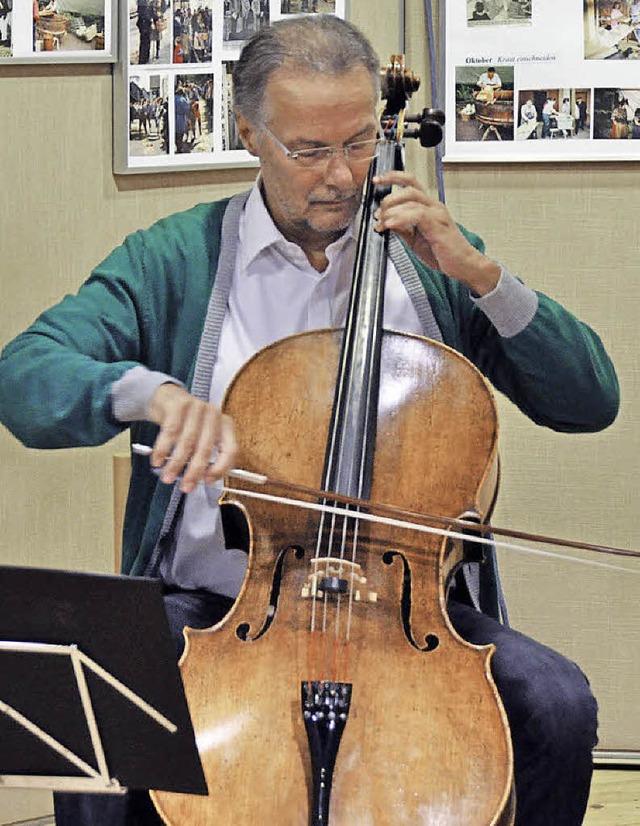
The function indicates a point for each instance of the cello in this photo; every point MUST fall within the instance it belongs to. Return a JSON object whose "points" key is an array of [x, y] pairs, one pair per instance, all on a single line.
{"points": [[336, 690]]}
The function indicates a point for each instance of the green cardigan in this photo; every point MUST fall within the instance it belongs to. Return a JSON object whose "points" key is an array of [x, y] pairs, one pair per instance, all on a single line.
{"points": [[146, 304]]}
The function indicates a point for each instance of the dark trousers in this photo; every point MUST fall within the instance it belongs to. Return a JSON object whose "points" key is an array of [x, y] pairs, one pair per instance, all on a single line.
{"points": [[551, 712], [145, 46]]}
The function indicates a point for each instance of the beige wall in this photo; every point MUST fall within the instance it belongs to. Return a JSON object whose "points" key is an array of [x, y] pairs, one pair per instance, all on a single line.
{"points": [[570, 230]]}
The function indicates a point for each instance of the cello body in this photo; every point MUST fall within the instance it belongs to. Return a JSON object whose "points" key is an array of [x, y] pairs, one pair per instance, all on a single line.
{"points": [[424, 739]]}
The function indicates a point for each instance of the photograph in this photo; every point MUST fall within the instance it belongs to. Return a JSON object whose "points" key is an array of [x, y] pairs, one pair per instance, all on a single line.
{"points": [[6, 7], [499, 12], [148, 115], [484, 103], [230, 137], [149, 38], [193, 113], [307, 6], [553, 113], [611, 29], [67, 25], [192, 31], [243, 18], [616, 114]]}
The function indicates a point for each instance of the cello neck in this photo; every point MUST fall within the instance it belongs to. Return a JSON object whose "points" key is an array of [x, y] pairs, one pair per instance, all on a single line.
{"points": [[352, 432]]}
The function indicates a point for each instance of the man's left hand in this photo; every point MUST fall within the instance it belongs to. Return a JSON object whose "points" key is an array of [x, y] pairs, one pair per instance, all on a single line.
{"points": [[430, 232]]}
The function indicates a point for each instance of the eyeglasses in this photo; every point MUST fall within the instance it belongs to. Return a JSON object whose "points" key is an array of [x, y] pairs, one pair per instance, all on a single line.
{"points": [[320, 155]]}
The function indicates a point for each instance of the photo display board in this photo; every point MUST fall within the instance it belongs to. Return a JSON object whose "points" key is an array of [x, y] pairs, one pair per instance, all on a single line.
{"points": [[173, 96], [57, 31], [542, 80]]}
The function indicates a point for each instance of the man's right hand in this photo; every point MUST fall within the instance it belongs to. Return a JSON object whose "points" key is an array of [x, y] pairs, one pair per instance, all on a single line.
{"points": [[195, 438]]}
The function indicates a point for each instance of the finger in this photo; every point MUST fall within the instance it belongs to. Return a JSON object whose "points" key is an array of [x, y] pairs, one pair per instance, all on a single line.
{"points": [[403, 219], [397, 177], [227, 451], [167, 410], [168, 436], [204, 450], [194, 442]]}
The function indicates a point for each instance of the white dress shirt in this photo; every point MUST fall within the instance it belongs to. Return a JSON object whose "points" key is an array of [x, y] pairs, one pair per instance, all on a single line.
{"points": [[275, 293]]}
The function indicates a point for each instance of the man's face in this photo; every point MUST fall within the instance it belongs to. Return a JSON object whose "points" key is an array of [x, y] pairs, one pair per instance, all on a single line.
{"points": [[313, 206]]}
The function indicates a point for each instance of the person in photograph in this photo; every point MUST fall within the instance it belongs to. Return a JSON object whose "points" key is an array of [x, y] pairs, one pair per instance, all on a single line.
{"points": [[208, 104], [529, 115], [479, 12], [194, 121], [155, 43], [630, 113], [619, 122], [164, 132], [635, 128], [200, 37], [178, 52], [230, 137], [158, 26], [581, 122], [488, 83], [243, 18], [616, 15], [146, 21], [548, 111], [181, 36], [182, 113], [35, 13], [5, 22], [565, 109], [152, 339], [634, 19]]}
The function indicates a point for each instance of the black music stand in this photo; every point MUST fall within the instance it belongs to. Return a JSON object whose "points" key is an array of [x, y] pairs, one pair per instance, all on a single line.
{"points": [[91, 697]]}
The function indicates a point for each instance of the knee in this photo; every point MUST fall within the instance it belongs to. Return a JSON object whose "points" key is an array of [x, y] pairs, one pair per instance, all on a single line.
{"points": [[560, 712], [570, 711]]}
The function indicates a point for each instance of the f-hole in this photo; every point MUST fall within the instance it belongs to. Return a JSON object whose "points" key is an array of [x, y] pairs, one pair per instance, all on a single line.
{"points": [[432, 641]]}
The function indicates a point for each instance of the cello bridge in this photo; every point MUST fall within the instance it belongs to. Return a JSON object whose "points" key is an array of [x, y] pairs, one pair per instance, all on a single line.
{"points": [[336, 577]]}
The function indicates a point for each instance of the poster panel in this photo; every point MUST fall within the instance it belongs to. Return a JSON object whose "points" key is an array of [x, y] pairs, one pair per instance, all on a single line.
{"points": [[173, 95], [542, 80], [57, 31]]}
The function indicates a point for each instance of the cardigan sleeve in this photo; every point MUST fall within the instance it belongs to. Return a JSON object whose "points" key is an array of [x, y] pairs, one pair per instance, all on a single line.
{"points": [[554, 367], [556, 370], [56, 376], [137, 309]]}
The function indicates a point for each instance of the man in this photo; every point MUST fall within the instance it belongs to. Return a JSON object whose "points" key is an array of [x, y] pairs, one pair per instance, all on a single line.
{"points": [[529, 117], [489, 80], [548, 111], [488, 84], [582, 113], [146, 19], [479, 12], [187, 302], [634, 15]]}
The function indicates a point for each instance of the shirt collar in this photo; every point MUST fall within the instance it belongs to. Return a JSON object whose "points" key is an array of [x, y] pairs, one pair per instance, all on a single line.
{"points": [[258, 233]]}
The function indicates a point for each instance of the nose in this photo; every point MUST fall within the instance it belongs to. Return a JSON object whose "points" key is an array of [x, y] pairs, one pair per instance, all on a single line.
{"points": [[338, 171]]}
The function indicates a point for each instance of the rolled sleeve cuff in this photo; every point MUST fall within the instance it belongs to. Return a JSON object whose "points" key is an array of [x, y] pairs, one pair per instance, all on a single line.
{"points": [[510, 306], [131, 395]]}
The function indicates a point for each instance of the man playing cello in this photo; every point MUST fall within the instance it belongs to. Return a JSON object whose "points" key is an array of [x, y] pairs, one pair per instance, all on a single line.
{"points": [[154, 336]]}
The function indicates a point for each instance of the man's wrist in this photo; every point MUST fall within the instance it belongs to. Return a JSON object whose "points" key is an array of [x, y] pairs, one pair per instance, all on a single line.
{"points": [[132, 393], [485, 277]]}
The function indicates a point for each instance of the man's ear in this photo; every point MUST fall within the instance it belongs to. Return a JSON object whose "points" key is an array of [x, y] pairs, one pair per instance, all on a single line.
{"points": [[248, 134]]}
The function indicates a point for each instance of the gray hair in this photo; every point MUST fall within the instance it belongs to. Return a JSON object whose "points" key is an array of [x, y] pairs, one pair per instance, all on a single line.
{"points": [[322, 43]]}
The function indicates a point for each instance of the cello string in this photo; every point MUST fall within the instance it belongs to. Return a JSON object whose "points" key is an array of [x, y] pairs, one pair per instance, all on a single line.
{"points": [[354, 556], [399, 523]]}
